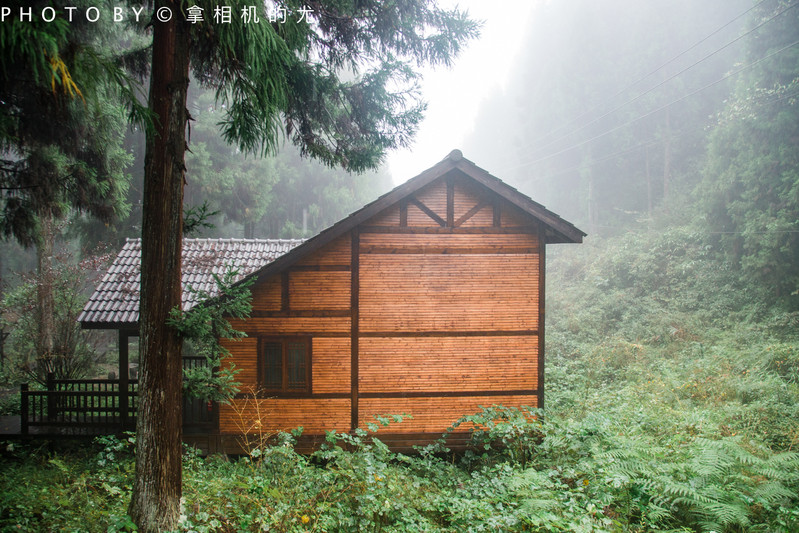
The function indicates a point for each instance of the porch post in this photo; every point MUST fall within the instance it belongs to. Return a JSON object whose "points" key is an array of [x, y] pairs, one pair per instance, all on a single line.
{"points": [[23, 415], [51, 400], [123, 378]]}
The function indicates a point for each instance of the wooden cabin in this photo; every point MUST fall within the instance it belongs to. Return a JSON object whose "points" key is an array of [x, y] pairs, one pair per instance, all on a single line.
{"points": [[428, 302]]}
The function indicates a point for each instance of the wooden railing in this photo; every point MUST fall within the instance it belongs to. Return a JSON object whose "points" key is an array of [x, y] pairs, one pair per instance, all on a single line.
{"points": [[98, 406], [78, 407]]}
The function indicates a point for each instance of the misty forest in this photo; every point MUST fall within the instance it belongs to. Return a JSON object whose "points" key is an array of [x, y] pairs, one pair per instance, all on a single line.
{"points": [[667, 130]]}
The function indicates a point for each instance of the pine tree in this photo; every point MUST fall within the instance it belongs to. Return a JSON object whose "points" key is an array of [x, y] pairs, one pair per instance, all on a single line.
{"points": [[328, 78], [60, 130]]}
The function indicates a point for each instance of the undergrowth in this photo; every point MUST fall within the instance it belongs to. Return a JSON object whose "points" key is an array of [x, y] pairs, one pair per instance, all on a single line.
{"points": [[672, 405], [525, 471]]}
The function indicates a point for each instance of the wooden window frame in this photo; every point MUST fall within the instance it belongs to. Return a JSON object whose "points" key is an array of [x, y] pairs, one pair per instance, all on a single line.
{"points": [[284, 342]]}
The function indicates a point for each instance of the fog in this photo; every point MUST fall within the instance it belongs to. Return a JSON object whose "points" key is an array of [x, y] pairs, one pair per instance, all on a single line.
{"points": [[605, 113]]}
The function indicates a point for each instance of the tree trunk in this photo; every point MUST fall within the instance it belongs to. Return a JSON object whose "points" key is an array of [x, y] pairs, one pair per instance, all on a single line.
{"points": [[45, 305], [3, 334], [155, 502]]}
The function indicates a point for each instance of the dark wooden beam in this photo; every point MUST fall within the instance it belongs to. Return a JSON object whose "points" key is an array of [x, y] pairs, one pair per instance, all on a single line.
{"points": [[285, 291], [447, 394], [403, 211], [354, 325], [455, 250], [302, 313], [319, 268], [450, 202], [429, 212], [123, 378], [541, 313], [471, 212], [513, 333], [307, 333], [472, 230], [294, 395]]}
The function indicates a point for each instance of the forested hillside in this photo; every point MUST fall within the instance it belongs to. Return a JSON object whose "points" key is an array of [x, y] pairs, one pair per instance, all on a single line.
{"points": [[670, 132], [666, 115], [671, 136]]}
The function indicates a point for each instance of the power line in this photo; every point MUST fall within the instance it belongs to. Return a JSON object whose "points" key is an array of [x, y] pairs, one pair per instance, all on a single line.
{"points": [[592, 162], [769, 232], [639, 80], [564, 137], [704, 232], [661, 108], [638, 146]]}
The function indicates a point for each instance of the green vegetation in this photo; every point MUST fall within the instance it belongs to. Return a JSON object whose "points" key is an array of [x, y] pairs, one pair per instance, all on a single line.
{"points": [[672, 383], [672, 405], [76, 354]]}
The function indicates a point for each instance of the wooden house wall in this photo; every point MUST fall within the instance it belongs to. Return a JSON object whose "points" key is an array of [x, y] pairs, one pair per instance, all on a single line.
{"points": [[436, 302], [310, 299], [448, 307]]}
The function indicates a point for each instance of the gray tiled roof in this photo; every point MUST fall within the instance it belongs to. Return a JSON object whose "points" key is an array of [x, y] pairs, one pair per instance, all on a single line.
{"points": [[115, 302]]}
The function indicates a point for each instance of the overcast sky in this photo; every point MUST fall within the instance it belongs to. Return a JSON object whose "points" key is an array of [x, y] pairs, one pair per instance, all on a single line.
{"points": [[454, 95]]}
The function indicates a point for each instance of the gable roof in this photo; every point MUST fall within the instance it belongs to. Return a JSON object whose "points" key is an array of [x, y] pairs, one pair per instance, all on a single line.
{"points": [[557, 230], [115, 302]]}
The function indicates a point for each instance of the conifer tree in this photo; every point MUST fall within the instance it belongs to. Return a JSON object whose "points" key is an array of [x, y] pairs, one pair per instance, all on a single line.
{"points": [[335, 77], [60, 132]]}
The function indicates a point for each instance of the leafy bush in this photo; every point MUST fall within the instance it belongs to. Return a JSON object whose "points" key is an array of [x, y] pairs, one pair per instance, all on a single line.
{"points": [[672, 405], [10, 402], [76, 352]]}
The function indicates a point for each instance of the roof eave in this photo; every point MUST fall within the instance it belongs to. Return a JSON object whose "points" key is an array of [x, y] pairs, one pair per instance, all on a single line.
{"points": [[559, 230], [128, 326]]}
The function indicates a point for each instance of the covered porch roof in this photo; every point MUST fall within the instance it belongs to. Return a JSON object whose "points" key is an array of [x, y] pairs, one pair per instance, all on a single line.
{"points": [[115, 302]]}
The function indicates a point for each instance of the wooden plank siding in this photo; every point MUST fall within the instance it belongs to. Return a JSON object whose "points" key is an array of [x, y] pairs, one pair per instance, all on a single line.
{"points": [[433, 415], [331, 366], [309, 299], [319, 290], [430, 308], [268, 416], [334, 253], [448, 364], [445, 292], [266, 296]]}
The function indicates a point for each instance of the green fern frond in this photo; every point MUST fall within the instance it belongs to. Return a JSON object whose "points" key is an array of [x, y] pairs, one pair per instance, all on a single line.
{"points": [[728, 514], [773, 492]]}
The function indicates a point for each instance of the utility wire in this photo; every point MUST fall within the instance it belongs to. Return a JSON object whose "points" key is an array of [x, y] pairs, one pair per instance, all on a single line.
{"points": [[638, 146], [564, 137], [636, 82], [661, 108], [592, 162]]}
